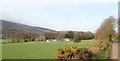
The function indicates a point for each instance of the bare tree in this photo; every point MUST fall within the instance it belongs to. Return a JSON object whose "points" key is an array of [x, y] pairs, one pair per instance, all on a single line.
{"points": [[106, 30]]}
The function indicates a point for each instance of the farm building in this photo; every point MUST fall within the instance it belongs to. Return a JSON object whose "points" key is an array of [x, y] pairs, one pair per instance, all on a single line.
{"points": [[48, 40], [54, 40]]}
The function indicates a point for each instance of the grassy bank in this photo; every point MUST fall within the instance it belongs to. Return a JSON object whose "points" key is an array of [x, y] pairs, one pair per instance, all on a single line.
{"points": [[105, 53]]}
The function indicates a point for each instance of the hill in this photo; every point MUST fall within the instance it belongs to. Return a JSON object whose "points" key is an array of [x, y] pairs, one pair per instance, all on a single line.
{"points": [[11, 27]]}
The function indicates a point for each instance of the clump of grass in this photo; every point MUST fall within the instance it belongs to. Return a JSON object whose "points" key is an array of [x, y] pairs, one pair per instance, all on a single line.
{"points": [[105, 53]]}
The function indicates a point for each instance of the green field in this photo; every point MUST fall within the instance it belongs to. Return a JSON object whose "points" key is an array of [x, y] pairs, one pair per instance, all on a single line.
{"points": [[37, 50], [0, 51]]}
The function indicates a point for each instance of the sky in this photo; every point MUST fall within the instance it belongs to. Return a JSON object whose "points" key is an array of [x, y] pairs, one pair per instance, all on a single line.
{"points": [[60, 15]]}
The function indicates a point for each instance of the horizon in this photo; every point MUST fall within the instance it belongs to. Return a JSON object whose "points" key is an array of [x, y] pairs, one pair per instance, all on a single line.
{"points": [[60, 15]]}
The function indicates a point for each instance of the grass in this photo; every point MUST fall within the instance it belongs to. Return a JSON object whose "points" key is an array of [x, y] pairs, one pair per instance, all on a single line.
{"points": [[6, 40], [0, 51], [36, 50], [105, 53], [88, 41]]}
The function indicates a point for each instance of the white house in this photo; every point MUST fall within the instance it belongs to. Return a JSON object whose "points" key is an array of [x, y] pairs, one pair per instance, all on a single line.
{"points": [[67, 39], [55, 40]]}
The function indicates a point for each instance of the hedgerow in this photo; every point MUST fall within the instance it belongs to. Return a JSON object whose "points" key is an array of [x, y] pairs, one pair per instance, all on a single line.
{"points": [[74, 53]]}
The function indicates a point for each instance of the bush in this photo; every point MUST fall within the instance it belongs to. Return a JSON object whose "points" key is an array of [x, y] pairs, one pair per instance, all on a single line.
{"points": [[101, 48], [95, 50], [76, 40], [74, 53], [14, 41], [103, 44]]}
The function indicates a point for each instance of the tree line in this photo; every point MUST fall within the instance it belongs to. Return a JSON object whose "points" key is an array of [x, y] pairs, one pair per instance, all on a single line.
{"points": [[22, 36]]}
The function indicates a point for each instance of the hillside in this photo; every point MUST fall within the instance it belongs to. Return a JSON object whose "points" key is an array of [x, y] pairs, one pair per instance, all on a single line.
{"points": [[18, 26], [11, 27]]}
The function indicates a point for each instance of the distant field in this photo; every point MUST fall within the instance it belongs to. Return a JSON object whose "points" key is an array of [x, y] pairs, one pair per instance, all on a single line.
{"points": [[0, 51], [38, 50], [6, 40]]}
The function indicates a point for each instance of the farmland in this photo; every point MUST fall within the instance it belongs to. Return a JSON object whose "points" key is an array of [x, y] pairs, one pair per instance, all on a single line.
{"points": [[38, 50], [0, 51]]}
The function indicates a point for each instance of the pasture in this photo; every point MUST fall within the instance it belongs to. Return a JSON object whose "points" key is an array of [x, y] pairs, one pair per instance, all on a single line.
{"points": [[38, 50], [0, 51]]}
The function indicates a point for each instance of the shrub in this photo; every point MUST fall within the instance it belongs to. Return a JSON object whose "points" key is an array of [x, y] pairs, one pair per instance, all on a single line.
{"points": [[100, 47], [95, 50], [74, 53], [76, 40], [103, 44], [14, 41]]}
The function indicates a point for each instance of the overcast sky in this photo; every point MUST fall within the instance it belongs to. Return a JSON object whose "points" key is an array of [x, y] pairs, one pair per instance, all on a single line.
{"points": [[76, 15]]}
